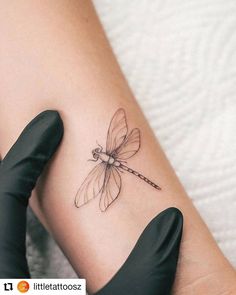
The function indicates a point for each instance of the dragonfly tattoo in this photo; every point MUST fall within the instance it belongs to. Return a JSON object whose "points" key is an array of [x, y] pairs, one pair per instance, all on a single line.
{"points": [[105, 179]]}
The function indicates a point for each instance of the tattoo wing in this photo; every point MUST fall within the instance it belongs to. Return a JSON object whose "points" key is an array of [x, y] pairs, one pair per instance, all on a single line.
{"points": [[117, 131], [130, 146], [92, 185], [111, 188]]}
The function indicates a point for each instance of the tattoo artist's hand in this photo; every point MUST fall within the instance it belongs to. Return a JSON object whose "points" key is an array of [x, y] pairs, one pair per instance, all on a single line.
{"points": [[151, 266], [19, 171]]}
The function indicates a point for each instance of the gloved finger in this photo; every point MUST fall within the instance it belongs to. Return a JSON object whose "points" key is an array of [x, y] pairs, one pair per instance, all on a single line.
{"points": [[26, 159], [19, 171], [151, 266]]}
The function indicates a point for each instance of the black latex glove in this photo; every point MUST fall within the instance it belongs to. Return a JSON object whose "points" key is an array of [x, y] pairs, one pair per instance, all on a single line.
{"points": [[151, 266], [19, 171]]}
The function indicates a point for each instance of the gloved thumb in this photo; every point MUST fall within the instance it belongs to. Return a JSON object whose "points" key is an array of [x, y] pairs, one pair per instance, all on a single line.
{"points": [[19, 171], [151, 266]]}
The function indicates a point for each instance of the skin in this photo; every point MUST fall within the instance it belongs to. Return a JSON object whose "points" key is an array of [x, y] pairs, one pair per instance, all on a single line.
{"points": [[54, 55]]}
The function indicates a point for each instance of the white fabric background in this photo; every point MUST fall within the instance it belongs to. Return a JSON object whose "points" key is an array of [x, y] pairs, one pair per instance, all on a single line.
{"points": [[179, 57]]}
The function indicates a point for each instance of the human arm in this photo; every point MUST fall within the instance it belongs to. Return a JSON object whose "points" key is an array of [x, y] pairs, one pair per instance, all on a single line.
{"points": [[56, 55]]}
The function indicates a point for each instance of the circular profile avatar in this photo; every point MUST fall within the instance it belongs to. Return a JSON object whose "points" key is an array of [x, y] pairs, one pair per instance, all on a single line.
{"points": [[23, 286]]}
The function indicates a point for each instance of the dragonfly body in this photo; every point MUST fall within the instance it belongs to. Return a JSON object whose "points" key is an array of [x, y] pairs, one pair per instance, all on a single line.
{"points": [[108, 159], [105, 158], [105, 178]]}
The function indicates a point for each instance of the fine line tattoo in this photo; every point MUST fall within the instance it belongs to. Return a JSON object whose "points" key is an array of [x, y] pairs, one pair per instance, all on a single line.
{"points": [[105, 179]]}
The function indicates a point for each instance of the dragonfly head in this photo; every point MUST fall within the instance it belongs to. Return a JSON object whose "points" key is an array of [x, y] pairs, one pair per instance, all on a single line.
{"points": [[96, 153]]}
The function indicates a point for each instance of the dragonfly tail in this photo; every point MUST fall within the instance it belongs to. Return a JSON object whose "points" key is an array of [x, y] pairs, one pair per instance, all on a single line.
{"points": [[140, 176]]}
